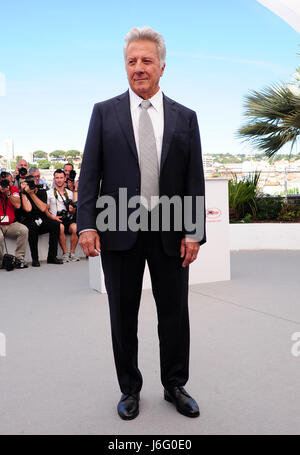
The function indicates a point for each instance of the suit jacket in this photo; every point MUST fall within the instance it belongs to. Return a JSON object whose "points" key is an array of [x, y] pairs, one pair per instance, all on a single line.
{"points": [[110, 159]]}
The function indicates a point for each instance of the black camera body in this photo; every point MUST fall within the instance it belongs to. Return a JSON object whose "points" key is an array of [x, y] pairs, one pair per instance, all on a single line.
{"points": [[30, 182], [72, 176], [4, 183], [22, 173], [66, 216], [69, 202]]}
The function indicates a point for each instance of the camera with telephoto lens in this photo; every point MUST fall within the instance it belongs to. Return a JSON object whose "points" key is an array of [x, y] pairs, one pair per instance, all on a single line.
{"points": [[22, 172]]}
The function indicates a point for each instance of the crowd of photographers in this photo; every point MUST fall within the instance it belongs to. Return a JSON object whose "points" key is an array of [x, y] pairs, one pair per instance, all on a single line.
{"points": [[29, 207]]}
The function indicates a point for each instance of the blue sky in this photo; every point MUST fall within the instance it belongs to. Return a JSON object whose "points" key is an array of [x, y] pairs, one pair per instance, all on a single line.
{"points": [[61, 57]]}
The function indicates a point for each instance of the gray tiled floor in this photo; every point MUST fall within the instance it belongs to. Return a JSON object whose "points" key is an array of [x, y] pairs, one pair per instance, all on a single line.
{"points": [[58, 376]]}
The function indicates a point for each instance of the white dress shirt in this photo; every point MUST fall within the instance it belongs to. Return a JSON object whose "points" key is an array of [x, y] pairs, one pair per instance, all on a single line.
{"points": [[156, 113]]}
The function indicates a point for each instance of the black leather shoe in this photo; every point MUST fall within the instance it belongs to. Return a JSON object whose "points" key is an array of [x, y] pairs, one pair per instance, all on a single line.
{"points": [[54, 261], [35, 263], [128, 406], [184, 403]]}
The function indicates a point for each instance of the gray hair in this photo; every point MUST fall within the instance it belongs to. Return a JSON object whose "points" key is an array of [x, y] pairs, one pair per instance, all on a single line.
{"points": [[33, 169], [146, 33]]}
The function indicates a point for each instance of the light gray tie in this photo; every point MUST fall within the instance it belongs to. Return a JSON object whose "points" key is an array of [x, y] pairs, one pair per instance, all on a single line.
{"points": [[148, 155]]}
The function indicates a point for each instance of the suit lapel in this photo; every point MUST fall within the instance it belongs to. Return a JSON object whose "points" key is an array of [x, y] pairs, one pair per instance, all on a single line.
{"points": [[170, 117], [124, 117], [122, 107]]}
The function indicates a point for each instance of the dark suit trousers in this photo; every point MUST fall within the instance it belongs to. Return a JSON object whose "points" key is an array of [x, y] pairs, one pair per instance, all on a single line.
{"points": [[47, 225], [123, 271]]}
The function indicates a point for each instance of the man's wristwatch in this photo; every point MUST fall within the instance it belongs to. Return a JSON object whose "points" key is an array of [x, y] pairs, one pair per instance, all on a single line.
{"points": [[8, 195]]}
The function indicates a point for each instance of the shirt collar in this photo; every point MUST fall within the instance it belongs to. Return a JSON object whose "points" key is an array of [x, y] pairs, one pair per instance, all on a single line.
{"points": [[136, 100]]}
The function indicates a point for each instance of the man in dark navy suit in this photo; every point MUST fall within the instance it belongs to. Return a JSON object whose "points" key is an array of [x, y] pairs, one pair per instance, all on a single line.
{"points": [[146, 145]]}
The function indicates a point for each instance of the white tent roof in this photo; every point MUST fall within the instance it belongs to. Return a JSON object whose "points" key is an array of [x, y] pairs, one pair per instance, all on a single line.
{"points": [[288, 10]]}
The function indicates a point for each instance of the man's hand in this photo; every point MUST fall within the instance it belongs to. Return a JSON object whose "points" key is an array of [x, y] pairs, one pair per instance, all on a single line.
{"points": [[30, 191], [24, 186], [90, 242], [58, 218], [189, 248]]}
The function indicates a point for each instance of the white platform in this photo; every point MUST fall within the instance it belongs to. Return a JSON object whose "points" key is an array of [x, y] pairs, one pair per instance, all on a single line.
{"points": [[213, 262]]}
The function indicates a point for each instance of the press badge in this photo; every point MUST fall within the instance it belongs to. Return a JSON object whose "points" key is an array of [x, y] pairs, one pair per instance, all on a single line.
{"points": [[5, 219]]}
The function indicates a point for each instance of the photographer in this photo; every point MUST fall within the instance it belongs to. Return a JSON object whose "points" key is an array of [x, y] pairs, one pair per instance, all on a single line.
{"points": [[32, 214], [62, 207], [9, 177], [9, 201], [70, 176], [20, 173], [35, 173]]}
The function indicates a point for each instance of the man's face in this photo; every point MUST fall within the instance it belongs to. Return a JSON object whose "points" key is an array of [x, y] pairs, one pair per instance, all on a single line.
{"points": [[36, 176], [143, 68], [22, 163], [59, 180], [67, 170]]}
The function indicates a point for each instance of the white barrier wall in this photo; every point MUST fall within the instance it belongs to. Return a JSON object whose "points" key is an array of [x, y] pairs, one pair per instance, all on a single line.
{"points": [[265, 236], [43, 248], [213, 262]]}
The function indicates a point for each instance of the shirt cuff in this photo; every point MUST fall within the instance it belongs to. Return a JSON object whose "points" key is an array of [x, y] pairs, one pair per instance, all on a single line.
{"points": [[86, 230]]}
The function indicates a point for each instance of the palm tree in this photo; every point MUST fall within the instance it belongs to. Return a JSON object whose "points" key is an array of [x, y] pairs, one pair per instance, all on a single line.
{"points": [[274, 117]]}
